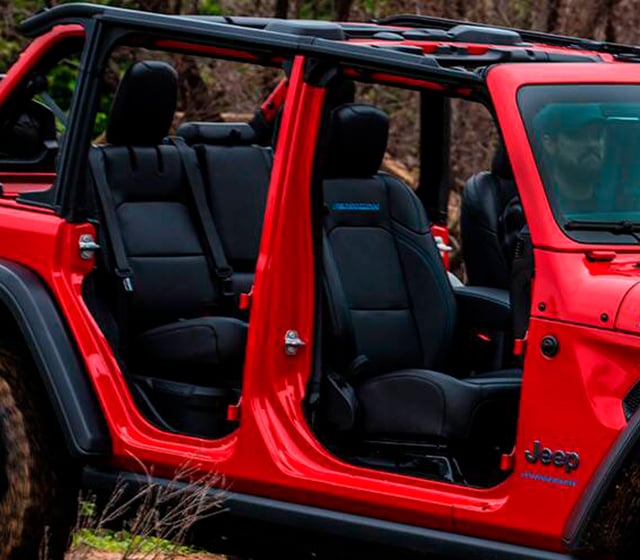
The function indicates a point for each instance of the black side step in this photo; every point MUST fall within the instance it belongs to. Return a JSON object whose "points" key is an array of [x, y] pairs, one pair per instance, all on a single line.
{"points": [[322, 528]]}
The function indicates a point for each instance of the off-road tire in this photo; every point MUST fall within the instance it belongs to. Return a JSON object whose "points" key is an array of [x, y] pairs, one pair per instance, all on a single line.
{"points": [[38, 498]]}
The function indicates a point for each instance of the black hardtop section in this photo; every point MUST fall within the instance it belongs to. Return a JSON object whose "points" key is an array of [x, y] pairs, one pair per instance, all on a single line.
{"points": [[324, 29], [489, 35]]}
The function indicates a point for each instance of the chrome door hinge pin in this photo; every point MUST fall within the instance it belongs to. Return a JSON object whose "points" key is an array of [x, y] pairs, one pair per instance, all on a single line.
{"points": [[88, 246], [292, 342]]}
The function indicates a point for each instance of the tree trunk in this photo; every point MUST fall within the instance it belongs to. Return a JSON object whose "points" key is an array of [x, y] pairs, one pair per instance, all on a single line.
{"points": [[282, 7], [342, 9]]}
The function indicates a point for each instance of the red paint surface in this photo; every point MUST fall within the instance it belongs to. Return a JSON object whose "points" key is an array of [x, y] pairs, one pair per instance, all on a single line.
{"points": [[571, 402]]}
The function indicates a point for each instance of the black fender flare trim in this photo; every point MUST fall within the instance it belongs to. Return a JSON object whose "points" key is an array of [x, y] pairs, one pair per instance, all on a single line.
{"points": [[66, 383], [289, 518], [624, 451]]}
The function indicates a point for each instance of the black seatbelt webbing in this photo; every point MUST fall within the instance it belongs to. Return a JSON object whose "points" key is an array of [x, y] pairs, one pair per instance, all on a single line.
{"points": [[99, 175], [223, 272]]}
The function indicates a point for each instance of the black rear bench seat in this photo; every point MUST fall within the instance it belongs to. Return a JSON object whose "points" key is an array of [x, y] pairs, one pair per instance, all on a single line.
{"points": [[236, 172], [171, 330]]}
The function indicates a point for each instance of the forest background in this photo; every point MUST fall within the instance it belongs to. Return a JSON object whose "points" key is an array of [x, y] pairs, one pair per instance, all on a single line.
{"points": [[472, 134]]}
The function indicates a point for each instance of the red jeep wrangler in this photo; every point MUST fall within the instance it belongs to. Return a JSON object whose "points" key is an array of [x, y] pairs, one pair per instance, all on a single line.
{"points": [[261, 301]]}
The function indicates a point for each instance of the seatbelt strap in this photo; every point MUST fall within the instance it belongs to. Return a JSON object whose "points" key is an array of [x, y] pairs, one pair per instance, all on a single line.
{"points": [[223, 272], [112, 226]]}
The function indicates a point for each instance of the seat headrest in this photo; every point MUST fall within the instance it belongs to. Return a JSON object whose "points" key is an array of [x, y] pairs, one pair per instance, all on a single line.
{"points": [[339, 92], [219, 134], [144, 104], [357, 140], [501, 166]]}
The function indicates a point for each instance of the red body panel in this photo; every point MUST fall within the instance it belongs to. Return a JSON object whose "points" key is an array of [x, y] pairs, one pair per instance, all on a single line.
{"points": [[570, 402]]}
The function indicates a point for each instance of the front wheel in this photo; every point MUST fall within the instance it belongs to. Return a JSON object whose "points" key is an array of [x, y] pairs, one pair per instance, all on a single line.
{"points": [[38, 497]]}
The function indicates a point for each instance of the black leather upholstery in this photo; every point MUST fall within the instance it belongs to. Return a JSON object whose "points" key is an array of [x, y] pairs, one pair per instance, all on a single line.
{"points": [[415, 403], [172, 277], [490, 221], [237, 175], [358, 141], [144, 105], [197, 346], [379, 237], [234, 134], [390, 300], [170, 269], [484, 307]]}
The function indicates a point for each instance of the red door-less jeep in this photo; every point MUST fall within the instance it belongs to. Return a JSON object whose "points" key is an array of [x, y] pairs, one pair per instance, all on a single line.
{"points": [[258, 301]]}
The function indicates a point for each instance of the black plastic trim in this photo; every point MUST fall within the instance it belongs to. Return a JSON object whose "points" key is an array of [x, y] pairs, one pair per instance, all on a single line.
{"points": [[435, 145], [53, 352], [335, 524], [482, 306], [600, 483]]}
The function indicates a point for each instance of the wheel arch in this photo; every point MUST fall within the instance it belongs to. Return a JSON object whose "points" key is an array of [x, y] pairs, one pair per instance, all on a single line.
{"points": [[606, 519], [28, 315]]}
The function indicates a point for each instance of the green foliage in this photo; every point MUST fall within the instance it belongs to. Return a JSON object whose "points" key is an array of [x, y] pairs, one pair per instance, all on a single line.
{"points": [[123, 541], [373, 8], [210, 7], [62, 83]]}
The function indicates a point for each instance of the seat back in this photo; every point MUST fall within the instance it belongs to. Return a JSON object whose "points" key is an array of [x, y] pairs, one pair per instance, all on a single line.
{"points": [[490, 220], [396, 296], [152, 203], [237, 174]]}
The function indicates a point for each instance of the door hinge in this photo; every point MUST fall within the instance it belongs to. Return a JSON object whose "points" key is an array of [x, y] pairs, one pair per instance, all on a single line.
{"points": [[292, 342], [88, 246]]}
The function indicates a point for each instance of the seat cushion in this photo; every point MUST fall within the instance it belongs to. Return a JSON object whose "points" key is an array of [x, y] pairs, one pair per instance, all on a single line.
{"points": [[211, 348], [428, 405]]}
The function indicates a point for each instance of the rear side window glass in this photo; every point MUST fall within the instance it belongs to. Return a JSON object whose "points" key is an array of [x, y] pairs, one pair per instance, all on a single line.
{"points": [[586, 142]]}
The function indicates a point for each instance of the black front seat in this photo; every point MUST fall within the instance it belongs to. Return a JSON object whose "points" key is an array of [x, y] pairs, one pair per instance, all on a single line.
{"points": [[147, 205], [391, 307], [491, 218]]}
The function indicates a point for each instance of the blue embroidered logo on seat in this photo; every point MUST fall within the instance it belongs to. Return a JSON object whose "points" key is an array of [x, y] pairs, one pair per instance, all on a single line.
{"points": [[355, 206]]}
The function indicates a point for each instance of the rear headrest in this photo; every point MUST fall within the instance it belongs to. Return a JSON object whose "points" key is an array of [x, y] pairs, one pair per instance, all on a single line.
{"points": [[357, 140], [339, 92], [228, 134], [501, 166], [144, 104]]}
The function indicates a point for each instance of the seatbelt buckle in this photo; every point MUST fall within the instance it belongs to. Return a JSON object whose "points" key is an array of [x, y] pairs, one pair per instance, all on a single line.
{"points": [[226, 281], [126, 276], [245, 300]]}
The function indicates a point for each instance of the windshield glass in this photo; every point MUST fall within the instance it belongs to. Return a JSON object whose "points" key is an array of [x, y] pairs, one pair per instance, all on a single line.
{"points": [[586, 141]]}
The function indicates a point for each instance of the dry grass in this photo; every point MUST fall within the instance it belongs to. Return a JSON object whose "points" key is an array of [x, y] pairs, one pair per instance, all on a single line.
{"points": [[154, 522]]}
